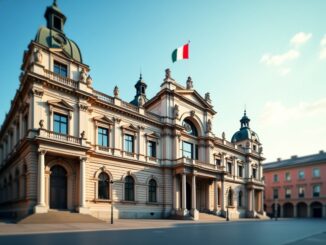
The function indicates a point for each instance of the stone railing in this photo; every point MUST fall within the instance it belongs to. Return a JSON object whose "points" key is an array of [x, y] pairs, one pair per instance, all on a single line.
{"points": [[104, 97], [60, 137], [129, 106], [60, 79], [185, 160]]}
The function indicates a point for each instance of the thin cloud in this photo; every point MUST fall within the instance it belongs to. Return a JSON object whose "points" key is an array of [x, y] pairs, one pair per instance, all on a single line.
{"points": [[322, 52], [300, 38], [279, 59], [276, 113]]}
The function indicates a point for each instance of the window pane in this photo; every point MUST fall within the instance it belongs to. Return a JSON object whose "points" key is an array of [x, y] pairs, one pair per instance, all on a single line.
{"points": [[187, 149]]}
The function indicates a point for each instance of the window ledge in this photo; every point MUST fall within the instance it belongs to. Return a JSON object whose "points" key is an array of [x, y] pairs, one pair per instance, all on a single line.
{"points": [[102, 200], [152, 203], [128, 202]]}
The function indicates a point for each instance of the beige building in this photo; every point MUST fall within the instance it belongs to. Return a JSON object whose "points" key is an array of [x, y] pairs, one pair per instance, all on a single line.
{"points": [[66, 146]]}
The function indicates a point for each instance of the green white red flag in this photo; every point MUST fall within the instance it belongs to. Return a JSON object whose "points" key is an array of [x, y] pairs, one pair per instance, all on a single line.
{"points": [[181, 53]]}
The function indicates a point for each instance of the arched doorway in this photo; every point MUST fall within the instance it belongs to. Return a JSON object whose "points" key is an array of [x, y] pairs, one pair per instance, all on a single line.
{"points": [[302, 210], [288, 210], [58, 188], [316, 209]]}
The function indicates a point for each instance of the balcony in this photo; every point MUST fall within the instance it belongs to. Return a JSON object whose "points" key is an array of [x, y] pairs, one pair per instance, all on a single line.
{"points": [[60, 79], [196, 163], [64, 138]]}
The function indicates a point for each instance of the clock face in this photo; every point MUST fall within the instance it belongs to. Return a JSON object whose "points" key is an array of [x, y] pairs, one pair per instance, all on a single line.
{"points": [[187, 127], [59, 40]]}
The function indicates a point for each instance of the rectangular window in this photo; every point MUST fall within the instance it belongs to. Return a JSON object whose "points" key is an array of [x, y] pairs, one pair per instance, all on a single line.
{"points": [[287, 176], [129, 143], [275, 178], [187, 149], [254, 173], [301, 174], [103, 137], [60, 69], [229, 168], [316, 173], [218, 162], [316, 190], [240, 171], [60, 123], [275, 193], [57, 23], [196, 152], [287, 193], [301, 191], [151, 148]]}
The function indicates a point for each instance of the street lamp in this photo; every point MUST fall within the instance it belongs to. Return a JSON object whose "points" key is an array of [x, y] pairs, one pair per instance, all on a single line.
{"points": [[111, 182]]}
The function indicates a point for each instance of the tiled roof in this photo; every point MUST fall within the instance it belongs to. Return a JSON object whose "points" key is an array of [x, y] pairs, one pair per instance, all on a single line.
{"points": [[316, 158]]}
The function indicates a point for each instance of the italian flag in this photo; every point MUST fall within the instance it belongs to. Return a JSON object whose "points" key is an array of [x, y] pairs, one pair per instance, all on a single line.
{"points": [[181, 53]]}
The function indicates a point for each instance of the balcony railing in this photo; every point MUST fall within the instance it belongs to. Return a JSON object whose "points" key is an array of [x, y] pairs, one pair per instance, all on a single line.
{"points": [[60, 79], [129, 106], [103, 97], [60, 137]]}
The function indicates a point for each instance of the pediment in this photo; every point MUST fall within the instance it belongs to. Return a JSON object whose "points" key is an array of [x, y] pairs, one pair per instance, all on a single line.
{"points": [[61, 104], [193, 96], [153, 135], [61, 51], [130, 127], [103, 119]]}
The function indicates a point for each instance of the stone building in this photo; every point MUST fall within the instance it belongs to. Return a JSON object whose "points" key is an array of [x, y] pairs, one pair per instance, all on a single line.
{"points": [[66, 146], [296, 187]]}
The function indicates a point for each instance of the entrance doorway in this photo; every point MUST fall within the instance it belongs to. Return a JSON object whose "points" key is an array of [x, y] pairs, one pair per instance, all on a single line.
{"points": [[58, 188], [316, 210]]}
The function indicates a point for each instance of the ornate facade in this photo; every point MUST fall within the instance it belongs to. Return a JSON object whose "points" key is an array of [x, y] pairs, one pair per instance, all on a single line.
{"points": [[65, 145]]}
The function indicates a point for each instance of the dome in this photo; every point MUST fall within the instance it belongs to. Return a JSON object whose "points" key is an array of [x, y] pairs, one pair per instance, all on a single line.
{"points": [[53, 36], [54, 39], [245, 133]]}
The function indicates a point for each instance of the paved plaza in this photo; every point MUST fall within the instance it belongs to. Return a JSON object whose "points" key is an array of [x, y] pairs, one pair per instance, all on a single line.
{"points": [[291, 231]]}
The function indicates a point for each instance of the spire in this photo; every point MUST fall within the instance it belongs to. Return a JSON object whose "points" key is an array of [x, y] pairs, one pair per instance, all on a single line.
{"points": [[55, 19], [140, 91], [245, 120]]}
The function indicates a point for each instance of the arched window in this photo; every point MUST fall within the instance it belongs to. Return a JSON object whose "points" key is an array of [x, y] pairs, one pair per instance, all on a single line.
{"points": [[190, 127], [230, 198], [152, 186], [103, 186], [129, 189], [240, 199]]}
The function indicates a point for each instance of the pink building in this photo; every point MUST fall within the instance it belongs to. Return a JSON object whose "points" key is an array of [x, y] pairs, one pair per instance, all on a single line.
{"points": [[296, 187]]}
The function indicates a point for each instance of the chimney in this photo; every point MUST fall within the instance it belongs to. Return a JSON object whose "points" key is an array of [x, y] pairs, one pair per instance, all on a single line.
{"points": [[321, 152], [279, 159], [294, 156]]}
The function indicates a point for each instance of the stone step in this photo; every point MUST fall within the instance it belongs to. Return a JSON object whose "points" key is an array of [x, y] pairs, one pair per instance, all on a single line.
{"points": [[59, 217], [208, 216]]}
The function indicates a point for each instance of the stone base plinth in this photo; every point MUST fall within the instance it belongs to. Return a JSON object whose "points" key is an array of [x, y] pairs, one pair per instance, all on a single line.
{"points": [[40, 209]]}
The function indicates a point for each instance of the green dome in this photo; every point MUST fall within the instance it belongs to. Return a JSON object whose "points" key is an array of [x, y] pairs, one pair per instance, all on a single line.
{"points": [[53, 36], [245, 133], [54, 39]]}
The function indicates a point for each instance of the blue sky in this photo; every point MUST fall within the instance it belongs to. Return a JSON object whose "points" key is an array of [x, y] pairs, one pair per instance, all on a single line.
{"points": [[267, 55]]}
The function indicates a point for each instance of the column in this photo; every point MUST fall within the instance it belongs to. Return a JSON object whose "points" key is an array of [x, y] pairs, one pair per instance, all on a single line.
{"points": [[21, 126], [194, 211], [250, 200], [308, 211], [253, 200], [222, 195], [295, 211], [184, 191], [174, 193], [82, 186], [40, 208], [262, 202], [281, 211], [324, 211], [215, 196]]}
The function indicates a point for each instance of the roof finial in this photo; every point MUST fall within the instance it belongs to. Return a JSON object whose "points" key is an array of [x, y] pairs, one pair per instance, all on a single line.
{"points": [[55, 3]]}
